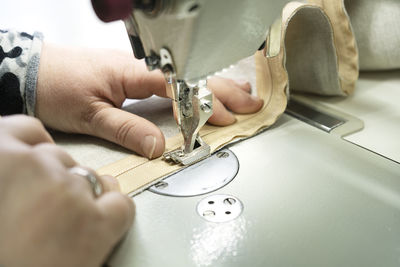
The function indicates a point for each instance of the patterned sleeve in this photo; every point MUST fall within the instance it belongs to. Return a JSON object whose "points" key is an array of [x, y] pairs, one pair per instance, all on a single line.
{"points": [[19, 64]]}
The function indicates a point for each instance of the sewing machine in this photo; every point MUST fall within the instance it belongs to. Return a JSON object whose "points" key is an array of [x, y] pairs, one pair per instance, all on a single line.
{"points": [[189, 40], [305, 196]]}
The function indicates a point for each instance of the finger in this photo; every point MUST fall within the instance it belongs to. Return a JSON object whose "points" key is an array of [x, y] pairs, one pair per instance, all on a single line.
{"points": [[233, 97], [138, 82], [109, 183], [55, 151], [119, 211], [221, 116], [244, 85], [217, 82], [27, 129], [129, 130], [97, 186]]}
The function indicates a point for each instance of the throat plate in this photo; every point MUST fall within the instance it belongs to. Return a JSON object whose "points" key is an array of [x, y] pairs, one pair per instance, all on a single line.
{"points": [[200, 178]]}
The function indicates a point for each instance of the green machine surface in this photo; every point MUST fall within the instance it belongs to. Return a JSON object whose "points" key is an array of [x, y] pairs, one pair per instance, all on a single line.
{"points": [[309, 199]]}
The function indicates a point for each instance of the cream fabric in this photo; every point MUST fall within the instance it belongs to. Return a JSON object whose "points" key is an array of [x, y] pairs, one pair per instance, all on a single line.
{"points": [[311, 59], [318, 47], [345, 43]]}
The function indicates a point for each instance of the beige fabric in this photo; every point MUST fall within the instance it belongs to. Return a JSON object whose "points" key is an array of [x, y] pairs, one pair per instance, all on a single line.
{"points": [[311, 58], [320, 53], [136, 173], [345, 43]]}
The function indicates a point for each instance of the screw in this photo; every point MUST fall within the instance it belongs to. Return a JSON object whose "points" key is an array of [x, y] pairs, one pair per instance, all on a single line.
{"points": [[222, 154], [180, 153], [229, 201], [209, 213], [206, 107], [161, 185], [193, 8], [152, 62]]}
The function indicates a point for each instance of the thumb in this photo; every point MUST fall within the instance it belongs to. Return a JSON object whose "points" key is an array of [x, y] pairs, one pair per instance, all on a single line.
{"points": [[128, 130]]}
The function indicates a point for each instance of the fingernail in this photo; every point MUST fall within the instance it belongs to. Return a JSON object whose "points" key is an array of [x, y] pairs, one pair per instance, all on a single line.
{"points": [[254, 98], [114, 184], [242, 82], [149, 145], [114, 180], [232, 119]]}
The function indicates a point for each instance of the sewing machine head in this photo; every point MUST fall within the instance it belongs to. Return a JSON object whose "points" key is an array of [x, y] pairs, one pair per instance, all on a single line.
{"points": [[188, 40]]}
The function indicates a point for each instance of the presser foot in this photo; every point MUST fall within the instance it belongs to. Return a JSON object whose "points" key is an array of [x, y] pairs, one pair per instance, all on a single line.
{"points": [[201, 151]]}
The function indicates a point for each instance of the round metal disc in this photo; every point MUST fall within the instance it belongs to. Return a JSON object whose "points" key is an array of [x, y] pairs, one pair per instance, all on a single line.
{"points": [[201, 178]]}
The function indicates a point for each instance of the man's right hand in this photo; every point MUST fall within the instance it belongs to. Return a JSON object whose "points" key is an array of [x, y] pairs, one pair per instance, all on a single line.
{"points": [[48, 216]]}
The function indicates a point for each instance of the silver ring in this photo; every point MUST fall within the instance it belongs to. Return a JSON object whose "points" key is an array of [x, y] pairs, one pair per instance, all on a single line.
{"points": [[90, 177]]}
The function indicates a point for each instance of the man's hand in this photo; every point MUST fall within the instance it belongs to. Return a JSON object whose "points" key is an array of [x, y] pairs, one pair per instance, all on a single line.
{"points": [[82, 91], [49, 217]]}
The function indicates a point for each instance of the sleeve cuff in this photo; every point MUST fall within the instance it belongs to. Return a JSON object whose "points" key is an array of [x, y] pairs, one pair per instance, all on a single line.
{"points": [[19, 66], [32, 73]]}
